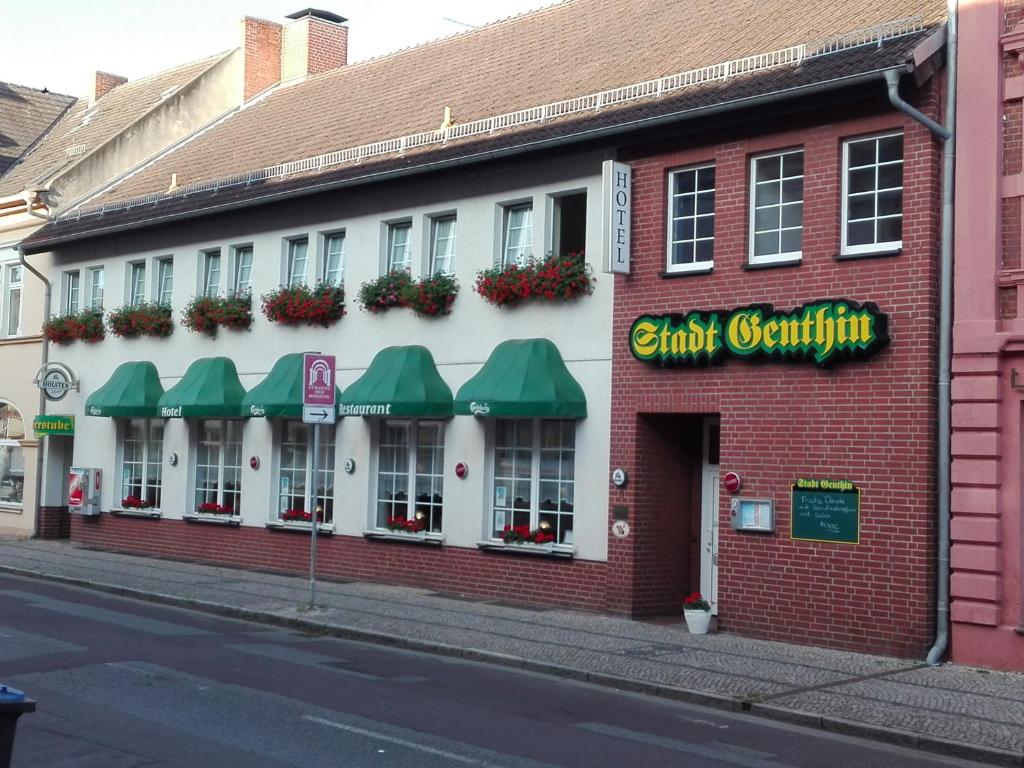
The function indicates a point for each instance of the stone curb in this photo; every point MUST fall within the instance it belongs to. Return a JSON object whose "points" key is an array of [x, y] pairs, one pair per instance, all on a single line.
{"points": [[896, 737]]}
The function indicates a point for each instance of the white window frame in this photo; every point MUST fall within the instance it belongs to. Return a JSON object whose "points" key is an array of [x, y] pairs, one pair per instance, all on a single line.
{"points": [[432, 268], [208, 287], [222, 467], [163, 290], [535, 482], [72, 292], [152, 456], [412, 426], [136, 283], [786, 256], [876, 247], [324, 470], [325, 269], [526, 253], [15, 445], [10, 287], [292, 277], [238, 254], [390, 264], [694, 266], [96, 291]]}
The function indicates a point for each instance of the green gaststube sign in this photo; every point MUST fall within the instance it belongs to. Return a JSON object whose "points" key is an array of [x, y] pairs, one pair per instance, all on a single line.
{"points": [[825, 510], [53, 425], [821, 331]]}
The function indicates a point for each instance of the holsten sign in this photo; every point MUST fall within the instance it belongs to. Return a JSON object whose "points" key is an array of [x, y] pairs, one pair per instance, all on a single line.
{"points": [[821, 331]]}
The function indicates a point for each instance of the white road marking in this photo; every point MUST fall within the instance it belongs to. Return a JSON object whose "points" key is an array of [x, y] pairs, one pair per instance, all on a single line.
{"points": [[402, 742]]}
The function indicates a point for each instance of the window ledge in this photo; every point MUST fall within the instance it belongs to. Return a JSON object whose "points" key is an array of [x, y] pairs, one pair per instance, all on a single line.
{"points": [[881, 252], [687, 272], [143, 513], [423, 537], [233, 520], [561, 551], [12, 509], [321, 530], [773, 264]]}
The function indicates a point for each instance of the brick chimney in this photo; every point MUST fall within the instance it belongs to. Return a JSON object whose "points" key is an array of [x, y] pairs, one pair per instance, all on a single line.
{"points": [[261, 55], [102, 84], [314, 42]]}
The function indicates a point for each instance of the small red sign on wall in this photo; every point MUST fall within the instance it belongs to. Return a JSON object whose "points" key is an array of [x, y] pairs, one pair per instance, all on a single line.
{"points": [[318, 379]]}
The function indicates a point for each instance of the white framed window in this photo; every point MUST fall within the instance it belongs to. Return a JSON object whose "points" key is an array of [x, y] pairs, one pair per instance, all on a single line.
{"points": [[410, 472], [142, 450], [72, 292], [13, 277], [295, 268], [164, 280], [137, 283], [776, 207], [241, 281], [872, 194], [399, 246], [517, 238], [211, 272], [218, 467], [334, 259], [12, 457], [691, 219], [534, 475], [96, 278], [442, 245], [296, 470]]}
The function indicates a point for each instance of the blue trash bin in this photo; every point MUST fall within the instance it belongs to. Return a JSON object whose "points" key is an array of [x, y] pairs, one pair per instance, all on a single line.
{"points": [[13, 705]]}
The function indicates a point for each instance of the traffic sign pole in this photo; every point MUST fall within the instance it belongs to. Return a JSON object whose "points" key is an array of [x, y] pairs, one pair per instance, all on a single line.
{"points": [[316, 516]]}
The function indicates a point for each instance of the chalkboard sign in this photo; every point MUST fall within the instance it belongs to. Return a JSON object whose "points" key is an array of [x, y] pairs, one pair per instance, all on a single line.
{"points": [[825, 510]]}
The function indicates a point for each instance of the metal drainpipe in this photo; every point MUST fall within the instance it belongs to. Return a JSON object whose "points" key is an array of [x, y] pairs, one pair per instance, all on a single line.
{"points": [[942, 480], [47, 293]]}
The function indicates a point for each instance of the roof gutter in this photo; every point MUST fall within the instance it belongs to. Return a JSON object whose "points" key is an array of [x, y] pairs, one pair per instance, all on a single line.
{"points": [[826, 86]]}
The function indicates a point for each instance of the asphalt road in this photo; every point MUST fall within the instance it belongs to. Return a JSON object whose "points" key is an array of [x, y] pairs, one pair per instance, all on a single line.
{"points": [[121, 683]]}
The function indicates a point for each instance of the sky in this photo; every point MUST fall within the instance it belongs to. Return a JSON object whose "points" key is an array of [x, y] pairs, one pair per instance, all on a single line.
{"points": [[58, 44]]}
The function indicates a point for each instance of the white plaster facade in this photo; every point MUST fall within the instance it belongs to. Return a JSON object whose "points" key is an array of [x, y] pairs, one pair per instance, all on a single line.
{"points": [[460, 343]]}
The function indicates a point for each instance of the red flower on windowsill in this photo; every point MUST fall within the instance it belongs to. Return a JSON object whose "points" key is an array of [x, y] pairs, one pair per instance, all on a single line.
{"points": [[210, 508], [134, 502], [300, 516], [405, 525], [521, 534]]}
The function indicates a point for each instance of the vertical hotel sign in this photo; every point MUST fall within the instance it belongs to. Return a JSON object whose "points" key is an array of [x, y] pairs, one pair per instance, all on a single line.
{"points": [[617, 185]]}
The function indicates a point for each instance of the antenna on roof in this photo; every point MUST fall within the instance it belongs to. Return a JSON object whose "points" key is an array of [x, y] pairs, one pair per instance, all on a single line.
{"points": [[456, 21]]}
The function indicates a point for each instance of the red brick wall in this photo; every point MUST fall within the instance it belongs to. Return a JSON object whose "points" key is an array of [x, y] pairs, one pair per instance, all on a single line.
{"points": [[54, 523], [327, 48], [521, 578], [261, 55], [869, 422], [104, 82]]}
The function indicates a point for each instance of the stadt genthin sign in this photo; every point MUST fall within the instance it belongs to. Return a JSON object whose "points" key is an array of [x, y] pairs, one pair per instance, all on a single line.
{"points": [[823, 332]]}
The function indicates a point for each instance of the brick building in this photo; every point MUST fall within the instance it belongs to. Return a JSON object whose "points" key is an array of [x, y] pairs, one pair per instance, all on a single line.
{"points": [[539, 402]]}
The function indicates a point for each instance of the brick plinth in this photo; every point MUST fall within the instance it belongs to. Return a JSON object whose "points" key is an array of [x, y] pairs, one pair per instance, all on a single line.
{"points": [[520, 578], [54, 523], [871, 422]]}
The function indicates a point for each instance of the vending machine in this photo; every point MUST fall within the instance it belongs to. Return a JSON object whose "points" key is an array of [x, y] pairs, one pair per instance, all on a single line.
{"points": [[84, 485]]}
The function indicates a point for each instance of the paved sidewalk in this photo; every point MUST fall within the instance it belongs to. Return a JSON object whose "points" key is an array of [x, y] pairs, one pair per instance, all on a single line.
{"points": [[952, 710]]}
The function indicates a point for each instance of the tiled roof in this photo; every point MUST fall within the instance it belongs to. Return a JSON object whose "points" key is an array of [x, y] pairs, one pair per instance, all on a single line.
{"points": [[83, 128], [25, 115], [569, 50]]}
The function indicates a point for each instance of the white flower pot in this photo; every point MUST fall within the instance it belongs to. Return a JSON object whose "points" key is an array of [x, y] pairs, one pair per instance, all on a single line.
{"points": [[697, 621]]}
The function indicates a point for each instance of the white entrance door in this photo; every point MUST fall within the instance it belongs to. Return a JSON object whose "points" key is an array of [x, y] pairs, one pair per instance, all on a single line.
{"points": [[709, 515]]}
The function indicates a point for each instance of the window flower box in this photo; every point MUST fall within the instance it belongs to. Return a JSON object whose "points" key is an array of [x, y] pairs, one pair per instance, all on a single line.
{"points": [[134, 502], [204, 314], [385, 292], [430, 297], [143, 319], [556, 278], [521, 534], [322, 305], [212, 508], [301, 516], [86, 326]]}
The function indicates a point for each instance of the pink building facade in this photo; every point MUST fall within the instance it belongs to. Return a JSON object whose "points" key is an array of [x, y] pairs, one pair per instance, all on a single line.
{"points": [[987, 610]]}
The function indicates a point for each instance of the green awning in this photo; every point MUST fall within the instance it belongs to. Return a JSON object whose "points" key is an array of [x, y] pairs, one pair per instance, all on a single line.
{"points": [[209, 389], [133, 390], [401, 381], [280, 393], [523, 378]]}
